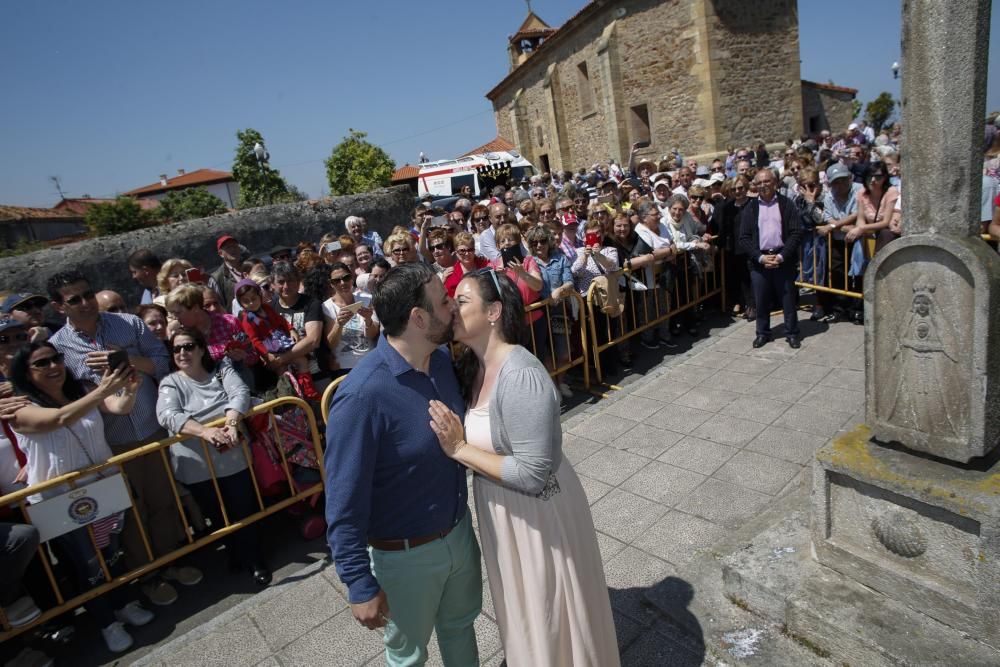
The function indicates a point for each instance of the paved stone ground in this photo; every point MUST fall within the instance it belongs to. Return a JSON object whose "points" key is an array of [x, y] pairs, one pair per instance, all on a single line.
{"points": [[680, 465]]}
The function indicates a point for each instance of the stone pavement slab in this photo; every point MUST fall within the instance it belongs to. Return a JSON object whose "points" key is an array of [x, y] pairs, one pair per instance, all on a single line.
{"points": [[677, 461]]}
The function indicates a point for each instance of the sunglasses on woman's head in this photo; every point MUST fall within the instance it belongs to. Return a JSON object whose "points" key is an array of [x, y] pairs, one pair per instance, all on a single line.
{"points": [[493, 274], [6, 339], [185, 347], [45, 362]]}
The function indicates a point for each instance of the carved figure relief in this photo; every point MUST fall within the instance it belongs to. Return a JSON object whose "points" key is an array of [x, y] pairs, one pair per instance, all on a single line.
{"points": [[928, 394]]}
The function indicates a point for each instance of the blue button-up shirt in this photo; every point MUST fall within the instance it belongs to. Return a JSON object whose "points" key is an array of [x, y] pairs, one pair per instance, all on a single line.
{"points": [[386, 476], [129, 333], [556, 272]]}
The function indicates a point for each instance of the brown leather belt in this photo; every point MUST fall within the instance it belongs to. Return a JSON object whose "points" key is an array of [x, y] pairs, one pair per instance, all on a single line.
{"points": [[411, 543]]}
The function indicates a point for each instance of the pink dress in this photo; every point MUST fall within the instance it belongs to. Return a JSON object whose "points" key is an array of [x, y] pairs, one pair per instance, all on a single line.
{"points": [[544, 568]]}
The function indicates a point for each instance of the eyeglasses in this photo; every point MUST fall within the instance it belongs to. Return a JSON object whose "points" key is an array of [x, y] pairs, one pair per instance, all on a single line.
{"points": [[13, 338], [185, 347], [565, 208], [439, 246], [493, 273], [538, 195], [456, 221], [539, 242], [809, 186], [45, 362], [547, 211], [77, 299], [399, 251], [480, 218], [464, 251], [340, 279], [718, 169], [696, 198]]}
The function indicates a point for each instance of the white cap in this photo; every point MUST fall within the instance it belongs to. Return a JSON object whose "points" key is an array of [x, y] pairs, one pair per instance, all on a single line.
{"points": [[717, 178], [852, 126]]}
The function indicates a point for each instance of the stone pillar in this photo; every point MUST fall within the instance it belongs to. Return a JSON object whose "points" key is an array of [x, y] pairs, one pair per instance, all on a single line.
{"points": [[556, 138], [914, 512], [610, 80]]}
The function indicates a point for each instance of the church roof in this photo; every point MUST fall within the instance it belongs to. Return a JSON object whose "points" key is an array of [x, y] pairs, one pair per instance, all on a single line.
{"points": [[532, 27]]}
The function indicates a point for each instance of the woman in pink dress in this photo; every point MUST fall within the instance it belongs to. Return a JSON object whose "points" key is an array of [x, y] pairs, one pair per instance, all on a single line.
{"points": [[537, 533]]}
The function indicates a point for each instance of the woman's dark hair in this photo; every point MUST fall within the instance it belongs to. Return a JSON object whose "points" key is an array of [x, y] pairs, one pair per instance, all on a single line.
{"points": [[207, 362], [141, 311], [875, 169], [339, 266], [513, 323], [20, 376], [317, 282]]}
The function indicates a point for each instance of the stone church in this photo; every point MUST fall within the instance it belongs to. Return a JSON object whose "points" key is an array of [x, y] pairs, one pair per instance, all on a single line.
{"points": [[696, 75]]}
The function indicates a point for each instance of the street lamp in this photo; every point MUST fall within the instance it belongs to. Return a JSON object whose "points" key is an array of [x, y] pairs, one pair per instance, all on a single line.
{"points": [[895, 70]]}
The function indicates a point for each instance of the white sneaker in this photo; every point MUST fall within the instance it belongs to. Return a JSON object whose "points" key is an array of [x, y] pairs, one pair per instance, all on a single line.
{"points": [[182, 574], [565, 390], [117, 638], [29, 657], [22, 611], [134, 614]]}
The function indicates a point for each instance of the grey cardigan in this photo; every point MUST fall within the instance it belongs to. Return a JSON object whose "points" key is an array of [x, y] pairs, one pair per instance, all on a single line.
{"points": [[524, 423]]}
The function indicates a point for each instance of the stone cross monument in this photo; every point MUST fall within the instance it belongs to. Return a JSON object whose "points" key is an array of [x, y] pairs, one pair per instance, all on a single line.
{"points": [[911, 508]]}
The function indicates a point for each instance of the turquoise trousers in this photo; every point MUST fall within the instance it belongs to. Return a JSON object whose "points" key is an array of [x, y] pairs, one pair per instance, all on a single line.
{"points": [[437, 586]]}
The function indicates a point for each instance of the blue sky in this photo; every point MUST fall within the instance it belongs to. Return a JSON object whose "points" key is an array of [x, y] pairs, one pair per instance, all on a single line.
{"points": [[108, 94]]}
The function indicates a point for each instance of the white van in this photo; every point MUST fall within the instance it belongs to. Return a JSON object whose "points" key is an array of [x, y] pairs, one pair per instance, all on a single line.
{"points": [[447, 177]]}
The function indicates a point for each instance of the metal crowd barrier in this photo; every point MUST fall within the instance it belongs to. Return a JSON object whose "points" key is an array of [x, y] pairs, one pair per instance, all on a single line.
{"points": [[160, 449], [573, 330], [820, 259], [655, 305]]}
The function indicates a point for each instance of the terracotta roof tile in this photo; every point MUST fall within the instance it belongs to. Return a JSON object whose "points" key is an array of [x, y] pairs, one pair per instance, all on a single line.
{"points": [[405, 173], [497, 145], [14, 213], [830, 86], [82, 204], [197, 177]]}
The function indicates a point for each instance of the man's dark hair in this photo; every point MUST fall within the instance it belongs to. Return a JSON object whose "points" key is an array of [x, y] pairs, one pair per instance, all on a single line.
{"points": [[399, 292], [60, 280], [285, 270], [143, 258]]}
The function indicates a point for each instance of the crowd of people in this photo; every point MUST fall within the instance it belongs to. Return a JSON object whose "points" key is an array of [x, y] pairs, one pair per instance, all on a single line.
{"points": [[203, 345]]}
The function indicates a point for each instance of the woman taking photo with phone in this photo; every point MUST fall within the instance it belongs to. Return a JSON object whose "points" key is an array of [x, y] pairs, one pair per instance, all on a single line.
{"points": [[523, 270], [537, 533], [61, 430]]}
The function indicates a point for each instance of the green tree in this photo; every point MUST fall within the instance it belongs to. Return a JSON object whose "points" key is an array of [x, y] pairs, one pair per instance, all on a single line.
{"points": [[356, 165], [260, 185], [855, 108], [120, 216], [879, 111], [190, 203]]}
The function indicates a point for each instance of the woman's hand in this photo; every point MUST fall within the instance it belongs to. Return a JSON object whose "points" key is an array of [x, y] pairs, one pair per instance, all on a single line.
{"points": [[855, 232], [114, 380], [516, 266], [10, 405], [448, 428], [231, 432], [444, 275], [217, 437]]}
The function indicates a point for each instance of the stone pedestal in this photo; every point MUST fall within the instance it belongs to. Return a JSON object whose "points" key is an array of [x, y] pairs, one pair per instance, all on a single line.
{"points": [[923, 532]]}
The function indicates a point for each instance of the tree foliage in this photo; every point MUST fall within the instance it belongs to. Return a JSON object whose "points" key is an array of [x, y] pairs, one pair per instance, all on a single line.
{"points": [[260, 185], [855, 108], [356, 165], [879, 111], [120, 216], [190, 203]]}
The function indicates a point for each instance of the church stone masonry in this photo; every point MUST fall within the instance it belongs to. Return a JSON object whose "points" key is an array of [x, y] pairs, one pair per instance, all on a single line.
{"points": [[696, 75]]}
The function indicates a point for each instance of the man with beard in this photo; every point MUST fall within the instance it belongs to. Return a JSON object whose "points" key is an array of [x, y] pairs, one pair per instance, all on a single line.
{"points": [[399, 525]]}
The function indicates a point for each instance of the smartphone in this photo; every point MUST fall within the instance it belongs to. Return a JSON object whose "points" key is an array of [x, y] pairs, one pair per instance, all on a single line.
{"points": [[117, 359], [439, 221], [592, 239], [605, 199], [332, 246], [196, 276], [642, 144], [512, 253]]}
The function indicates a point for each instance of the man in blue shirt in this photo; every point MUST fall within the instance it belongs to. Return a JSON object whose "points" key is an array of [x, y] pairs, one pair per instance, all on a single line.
{"points": [[399, 525]]}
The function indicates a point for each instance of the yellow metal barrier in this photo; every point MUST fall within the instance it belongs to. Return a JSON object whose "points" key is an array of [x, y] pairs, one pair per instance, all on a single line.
{"points": [[821, 261], [688, 291], [324, 402], [564, 312], [160, 449]]}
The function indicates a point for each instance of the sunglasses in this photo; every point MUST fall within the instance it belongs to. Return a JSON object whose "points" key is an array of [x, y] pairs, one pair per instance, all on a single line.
{"points": [[493, 274], [398, 251], [77, 299], [810, 186], [539, 242], [480, 218], [464, 251], [185, 347], [340, 279], [13, 338], [696, 198], [547, 211], [45, 362], [439, 246]]}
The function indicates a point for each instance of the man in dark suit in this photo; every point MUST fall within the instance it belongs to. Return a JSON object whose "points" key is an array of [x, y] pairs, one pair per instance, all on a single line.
{"points": [[770, 235]]}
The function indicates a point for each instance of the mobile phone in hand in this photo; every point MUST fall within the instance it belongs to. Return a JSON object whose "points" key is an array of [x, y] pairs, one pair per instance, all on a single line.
{"points": [[592, 239], [510, 254], [117, 359], [195, 275]]}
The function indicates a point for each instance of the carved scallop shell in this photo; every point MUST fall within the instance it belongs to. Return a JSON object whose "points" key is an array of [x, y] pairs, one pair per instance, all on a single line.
{"points": [[899, 534]]}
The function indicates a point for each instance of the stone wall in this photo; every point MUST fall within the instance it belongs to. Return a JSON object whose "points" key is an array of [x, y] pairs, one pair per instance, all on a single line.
{"points": [[832, 109], [694, 64], [104, 260]]}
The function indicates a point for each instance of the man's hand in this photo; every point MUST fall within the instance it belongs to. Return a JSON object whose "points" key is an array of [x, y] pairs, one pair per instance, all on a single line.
{"points": [[10, 405], [374, 613], [98, 361]]}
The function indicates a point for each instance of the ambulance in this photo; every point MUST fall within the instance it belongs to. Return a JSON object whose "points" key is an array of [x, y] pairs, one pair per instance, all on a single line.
{"points": [[479, 171]]}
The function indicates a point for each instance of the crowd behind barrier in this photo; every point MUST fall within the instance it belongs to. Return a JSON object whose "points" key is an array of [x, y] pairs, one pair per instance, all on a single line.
{"points": [[292, 494], [601, 258]]}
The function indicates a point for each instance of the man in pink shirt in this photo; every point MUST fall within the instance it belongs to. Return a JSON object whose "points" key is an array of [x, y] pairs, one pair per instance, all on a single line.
{"points": [[770, 235]]}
